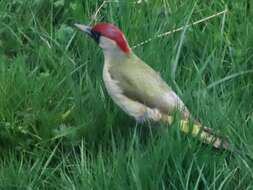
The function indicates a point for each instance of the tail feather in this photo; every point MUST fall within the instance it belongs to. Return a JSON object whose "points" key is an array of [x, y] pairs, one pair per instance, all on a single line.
{"points": [[205, 134]]}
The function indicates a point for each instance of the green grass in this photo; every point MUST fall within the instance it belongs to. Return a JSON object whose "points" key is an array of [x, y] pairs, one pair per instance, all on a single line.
{"points": [[60, 130]]}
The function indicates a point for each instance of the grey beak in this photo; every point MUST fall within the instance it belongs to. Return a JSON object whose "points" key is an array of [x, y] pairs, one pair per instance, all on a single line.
{"points": [[84, 28], [88, 30]]}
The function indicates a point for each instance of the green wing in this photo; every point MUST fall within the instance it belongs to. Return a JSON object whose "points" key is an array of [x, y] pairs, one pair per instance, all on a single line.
{"points": [[141, 83]]}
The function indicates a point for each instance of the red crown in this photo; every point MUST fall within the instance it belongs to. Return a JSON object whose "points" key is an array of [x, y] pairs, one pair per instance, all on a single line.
{"points": [[112, 32]]}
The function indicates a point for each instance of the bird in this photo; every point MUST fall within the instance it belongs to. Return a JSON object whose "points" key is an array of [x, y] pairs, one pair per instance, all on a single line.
{"points": [[138, 89]]}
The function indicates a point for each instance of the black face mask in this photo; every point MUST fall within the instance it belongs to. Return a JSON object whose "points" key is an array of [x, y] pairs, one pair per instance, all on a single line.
{"points": [[95, 35]]}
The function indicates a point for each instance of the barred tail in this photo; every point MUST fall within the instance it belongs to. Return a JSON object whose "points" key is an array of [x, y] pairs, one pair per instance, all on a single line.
{"points": [[205, 134]]}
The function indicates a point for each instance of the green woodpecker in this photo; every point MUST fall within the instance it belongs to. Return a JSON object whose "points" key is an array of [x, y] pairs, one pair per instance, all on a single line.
{"points": [[139, 90]]}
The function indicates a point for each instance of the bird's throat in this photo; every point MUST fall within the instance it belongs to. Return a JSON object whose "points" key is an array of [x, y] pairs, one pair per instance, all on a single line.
{"points": [[115, 57]]}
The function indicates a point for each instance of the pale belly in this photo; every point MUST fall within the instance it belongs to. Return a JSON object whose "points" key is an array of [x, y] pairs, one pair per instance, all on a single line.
{"points": [[133, 108]]}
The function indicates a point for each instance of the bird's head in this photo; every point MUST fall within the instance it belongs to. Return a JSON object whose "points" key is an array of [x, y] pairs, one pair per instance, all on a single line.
{"points": [[108, 36]]}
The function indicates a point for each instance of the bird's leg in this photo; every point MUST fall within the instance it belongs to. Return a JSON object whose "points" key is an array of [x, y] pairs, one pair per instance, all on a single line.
{"points": [[167, 119], [151, 116]]}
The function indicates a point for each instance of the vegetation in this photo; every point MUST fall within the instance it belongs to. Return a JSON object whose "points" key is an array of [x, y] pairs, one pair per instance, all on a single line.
{"points": [[60, 130]]}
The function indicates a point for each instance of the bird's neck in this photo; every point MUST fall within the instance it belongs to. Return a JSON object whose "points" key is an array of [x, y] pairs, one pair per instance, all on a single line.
{"points": [[116, 56]]}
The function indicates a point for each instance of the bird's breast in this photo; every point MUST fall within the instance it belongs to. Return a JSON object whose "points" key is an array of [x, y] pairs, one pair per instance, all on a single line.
{"points": [[131, 107], [112, 86]]}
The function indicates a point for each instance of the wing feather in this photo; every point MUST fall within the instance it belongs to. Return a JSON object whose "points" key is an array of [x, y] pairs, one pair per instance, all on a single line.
{"points": [[141, 83]]}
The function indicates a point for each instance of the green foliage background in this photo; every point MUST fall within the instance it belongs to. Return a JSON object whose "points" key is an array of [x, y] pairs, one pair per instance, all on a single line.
{"points": [[60, 130]]}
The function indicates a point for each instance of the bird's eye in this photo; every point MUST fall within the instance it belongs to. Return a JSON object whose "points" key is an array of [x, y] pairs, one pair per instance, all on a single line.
{"points": [[96, 36]]}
